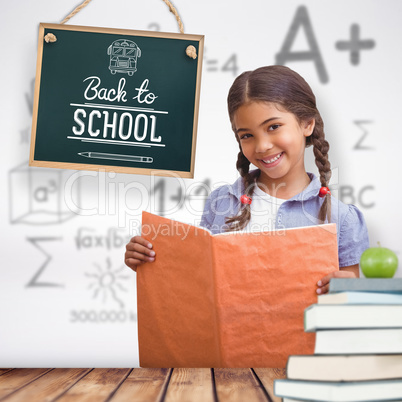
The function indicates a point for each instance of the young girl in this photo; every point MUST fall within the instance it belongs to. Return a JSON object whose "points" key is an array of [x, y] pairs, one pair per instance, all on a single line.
{"points": [[274, 117]]}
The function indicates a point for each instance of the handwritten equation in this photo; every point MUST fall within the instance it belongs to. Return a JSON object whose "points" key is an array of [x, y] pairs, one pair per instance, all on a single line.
{"points": [[352, 43]]}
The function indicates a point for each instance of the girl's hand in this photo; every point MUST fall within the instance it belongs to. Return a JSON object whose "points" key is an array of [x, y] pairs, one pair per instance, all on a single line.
{"points": [[138, 251], [345, 272]]}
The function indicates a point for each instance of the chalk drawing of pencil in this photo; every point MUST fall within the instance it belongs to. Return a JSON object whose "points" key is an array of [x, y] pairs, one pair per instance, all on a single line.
{"points": [[117, 157]]}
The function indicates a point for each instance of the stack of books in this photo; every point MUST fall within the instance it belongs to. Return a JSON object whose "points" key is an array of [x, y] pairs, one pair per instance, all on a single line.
{"points": [[358, 349]]}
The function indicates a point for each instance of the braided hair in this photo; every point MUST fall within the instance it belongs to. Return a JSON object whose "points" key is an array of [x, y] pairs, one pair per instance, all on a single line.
{"points": [[284, 87]]}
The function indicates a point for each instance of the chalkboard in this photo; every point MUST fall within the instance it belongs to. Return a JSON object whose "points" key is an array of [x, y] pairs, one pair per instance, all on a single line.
{"points": [[119, 100]]}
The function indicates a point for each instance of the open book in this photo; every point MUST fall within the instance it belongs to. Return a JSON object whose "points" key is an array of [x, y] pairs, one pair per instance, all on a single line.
{"points": [[228, 300]]}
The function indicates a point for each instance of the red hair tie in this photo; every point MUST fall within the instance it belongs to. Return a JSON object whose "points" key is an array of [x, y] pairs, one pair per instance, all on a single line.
{"points": [[244, 199], [324, 191]]}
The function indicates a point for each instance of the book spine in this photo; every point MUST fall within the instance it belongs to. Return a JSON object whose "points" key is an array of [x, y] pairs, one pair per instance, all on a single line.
{"points": [[353, 297], [379, 285], [370, 341], [352, 316]]}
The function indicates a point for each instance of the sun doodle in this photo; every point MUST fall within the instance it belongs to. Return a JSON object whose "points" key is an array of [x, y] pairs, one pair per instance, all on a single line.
{"points": [[106, 283]]}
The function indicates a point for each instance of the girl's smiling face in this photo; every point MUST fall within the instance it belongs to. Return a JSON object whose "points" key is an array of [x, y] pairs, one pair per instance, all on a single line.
{"points": [[273, 140]]}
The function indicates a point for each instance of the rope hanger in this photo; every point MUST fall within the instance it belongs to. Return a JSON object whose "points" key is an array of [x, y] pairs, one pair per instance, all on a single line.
{"points": [[190, 50]]}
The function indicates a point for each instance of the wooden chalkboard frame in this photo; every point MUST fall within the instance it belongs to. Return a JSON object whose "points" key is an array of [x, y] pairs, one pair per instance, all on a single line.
{"points": [[115, 168]]}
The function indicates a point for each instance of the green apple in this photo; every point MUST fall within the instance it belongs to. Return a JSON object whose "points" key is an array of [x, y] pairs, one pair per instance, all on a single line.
{"points": [[378, 262]]}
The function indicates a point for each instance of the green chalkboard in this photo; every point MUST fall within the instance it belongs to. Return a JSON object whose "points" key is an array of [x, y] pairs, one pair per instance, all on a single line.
{"points": [[120, 100]]}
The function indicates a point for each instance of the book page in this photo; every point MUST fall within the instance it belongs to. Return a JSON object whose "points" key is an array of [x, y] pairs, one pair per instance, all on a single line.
{"points": [[175, 297], [264, 282]]}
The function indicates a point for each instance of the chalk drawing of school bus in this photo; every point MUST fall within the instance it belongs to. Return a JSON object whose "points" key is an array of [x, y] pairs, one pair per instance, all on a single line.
{"points": [[123, 56]]}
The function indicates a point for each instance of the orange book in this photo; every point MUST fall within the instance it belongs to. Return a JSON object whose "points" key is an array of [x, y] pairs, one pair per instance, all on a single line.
{"points": [[229, 300]]}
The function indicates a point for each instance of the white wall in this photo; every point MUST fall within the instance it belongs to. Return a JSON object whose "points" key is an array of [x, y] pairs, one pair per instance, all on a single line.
{"points": [[66, 298]]}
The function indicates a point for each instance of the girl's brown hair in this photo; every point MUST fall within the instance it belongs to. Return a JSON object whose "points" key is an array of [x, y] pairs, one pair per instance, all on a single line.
{"points": [[286, 88]]}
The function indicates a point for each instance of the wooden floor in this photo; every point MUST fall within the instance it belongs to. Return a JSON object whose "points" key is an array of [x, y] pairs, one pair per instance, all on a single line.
{"points": [[138, 384]]}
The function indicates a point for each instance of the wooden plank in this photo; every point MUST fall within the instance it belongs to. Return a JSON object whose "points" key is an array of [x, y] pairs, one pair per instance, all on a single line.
{"points": [[238, 385], [267, 377], [190, 384], [143, 385], [96, 386], [17, 378], [155, 34], [4, 371], [49, 386]]}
